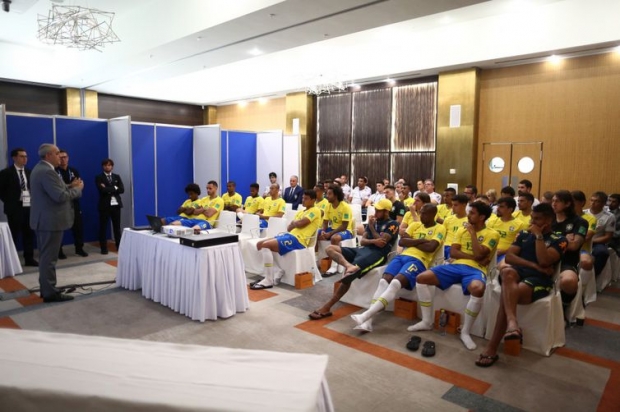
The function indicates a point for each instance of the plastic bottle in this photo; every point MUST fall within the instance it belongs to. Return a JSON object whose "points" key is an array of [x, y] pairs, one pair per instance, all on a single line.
{"points": [[443, 321]]}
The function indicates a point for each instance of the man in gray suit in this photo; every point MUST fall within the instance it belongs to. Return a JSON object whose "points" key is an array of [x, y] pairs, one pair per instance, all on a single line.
{"points": [[51, 213]]}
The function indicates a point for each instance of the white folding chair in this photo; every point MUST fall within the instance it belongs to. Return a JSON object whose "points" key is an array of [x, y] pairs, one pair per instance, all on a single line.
{"points": [[251, 256], [542, 322], [227, 222], [615, 265], [604, 278], [297, 261], [250, 227]]}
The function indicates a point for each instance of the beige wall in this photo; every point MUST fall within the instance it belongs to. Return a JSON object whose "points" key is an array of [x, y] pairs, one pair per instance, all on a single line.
{"points": [[573, 107], [255, 116]]}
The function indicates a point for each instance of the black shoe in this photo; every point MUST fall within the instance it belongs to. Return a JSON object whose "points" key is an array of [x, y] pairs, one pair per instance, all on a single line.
{"points": [[31, 262], [61, 255], [59, 297], [104, 251], [81, 252]]}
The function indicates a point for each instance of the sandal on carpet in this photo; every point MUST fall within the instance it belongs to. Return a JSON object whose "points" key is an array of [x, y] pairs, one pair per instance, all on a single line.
{"points": [[258, 286], [484, 361], [428, 349], [414, 343], [514, 334], [318, 316]]}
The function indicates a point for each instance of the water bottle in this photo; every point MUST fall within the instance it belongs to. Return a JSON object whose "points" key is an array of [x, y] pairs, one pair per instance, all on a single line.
{"points": [[443, 321]]}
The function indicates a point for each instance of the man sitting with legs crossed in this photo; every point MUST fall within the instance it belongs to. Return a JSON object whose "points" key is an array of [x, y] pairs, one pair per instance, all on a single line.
{"points": [[420, 242], [301, 230], [472, 249], [379, 238]]}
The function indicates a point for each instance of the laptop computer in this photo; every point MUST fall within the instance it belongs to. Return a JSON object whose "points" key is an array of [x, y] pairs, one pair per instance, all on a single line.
{"points": [[155, 223]]}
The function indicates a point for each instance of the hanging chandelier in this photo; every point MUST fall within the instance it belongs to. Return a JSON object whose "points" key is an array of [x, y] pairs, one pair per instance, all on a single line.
{"points": [[322, 85], [77, 27]]}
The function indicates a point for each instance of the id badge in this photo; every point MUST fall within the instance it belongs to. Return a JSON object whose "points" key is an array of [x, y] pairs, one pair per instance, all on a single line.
{"points": [[25, 198]]}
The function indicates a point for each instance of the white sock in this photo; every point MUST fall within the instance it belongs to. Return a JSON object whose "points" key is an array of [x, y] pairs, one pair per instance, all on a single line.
{"points": [[268, 262], [240, 215], [334, 267], [383, 301], [383, 285], [425, 298], [471, 312]]}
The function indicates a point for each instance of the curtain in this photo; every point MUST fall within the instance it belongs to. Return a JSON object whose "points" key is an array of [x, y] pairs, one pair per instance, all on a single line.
{"points": [[371, 120], [414, 118], [334, 123]]}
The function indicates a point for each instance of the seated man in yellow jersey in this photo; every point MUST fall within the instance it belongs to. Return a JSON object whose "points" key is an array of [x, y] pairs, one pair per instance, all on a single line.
{"points": [[455, 221], [232, 199], [321, 200], [273, 206], [377, 242], [413, 214], [507, 226], [525, 202], [471, 250], [187, 214], [253, 203], [420, 242], [337, 223], [445, 208], [211, 205], [301, 230], [586, 261]]}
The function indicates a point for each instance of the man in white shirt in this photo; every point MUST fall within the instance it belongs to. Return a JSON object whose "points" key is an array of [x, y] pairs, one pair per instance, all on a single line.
{"points": [[361, 193], [605, 228], [429, 187], [346, 189], [375, 197]]}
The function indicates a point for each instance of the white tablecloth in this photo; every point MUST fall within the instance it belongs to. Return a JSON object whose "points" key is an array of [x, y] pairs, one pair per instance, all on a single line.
{"points": [[9, 261], [63, 372], [202, 283]]}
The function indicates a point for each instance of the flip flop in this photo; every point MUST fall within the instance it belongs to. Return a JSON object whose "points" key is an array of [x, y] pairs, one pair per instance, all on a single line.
{"points": [[258, 286], [414, 343], [514, 334], [318, 316], [428, 349], [484, 361], [328, 274]]}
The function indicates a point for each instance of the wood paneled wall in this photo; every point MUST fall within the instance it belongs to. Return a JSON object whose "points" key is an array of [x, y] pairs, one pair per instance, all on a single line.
{"points": [[151, 111], [28, 98], [254, 116], [572, 106]]}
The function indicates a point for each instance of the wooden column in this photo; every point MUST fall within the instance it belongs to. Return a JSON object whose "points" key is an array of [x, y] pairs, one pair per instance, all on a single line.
{"points": [[81, 103], [301, 106]]}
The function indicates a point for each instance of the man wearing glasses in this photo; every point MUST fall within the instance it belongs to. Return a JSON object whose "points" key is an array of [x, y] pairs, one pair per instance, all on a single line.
{"points": [[69, 174], [15, 194]]}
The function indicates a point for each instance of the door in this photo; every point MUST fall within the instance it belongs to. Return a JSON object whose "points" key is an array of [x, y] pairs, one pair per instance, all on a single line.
{"points": [[505, 164]]}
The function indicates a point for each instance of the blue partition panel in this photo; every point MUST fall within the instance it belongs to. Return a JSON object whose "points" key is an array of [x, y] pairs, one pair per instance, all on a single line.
{"points": [[86, 142], [224, 162], [242, 161], [28, 132], [175, 167], [143, 170]]}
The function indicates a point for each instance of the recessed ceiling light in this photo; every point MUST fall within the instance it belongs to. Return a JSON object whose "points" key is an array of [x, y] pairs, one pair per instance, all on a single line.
{"points": [[390, 81], [255, 51], [243, 103], [554, 58], [262, 100]]}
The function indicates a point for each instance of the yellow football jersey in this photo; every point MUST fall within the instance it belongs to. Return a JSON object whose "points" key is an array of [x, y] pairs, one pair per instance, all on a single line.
{"points": [[305, 234], [418, 231], [487, 237], [452, 224], [336, 216]]}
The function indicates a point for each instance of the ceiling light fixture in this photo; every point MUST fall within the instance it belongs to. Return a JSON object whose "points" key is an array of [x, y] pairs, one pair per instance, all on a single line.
{"points": [[77, 27], [255, 51], [322, 85]]}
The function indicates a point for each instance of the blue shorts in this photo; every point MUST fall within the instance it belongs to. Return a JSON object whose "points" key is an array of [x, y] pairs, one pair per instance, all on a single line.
{"points": [[288, 243], [263, 223], [345, 234], [500, 257], [407, 266], [202, 224], [446, 252], [449, 275]]}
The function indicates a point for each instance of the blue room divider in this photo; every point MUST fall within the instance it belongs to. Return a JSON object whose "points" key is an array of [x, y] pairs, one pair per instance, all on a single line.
{"points": [[175, 167], [143, 170]]}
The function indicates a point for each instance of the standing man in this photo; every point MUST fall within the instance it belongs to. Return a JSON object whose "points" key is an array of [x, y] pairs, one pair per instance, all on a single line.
{"points": [[294, 193], [110, 187], [51, 214], [15, 193], [69, 174], [525, 186]]}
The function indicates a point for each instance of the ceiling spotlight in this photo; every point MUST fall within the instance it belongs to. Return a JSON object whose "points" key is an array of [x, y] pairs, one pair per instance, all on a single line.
{"points": [[6, 5], [255, 51], [554, 58], [390, 81]]}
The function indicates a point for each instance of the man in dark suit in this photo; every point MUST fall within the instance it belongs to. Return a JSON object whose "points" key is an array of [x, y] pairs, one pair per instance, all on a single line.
{"points": [[294, 193], [15, 193], [110, 187], [51, 214], [69, 174]]}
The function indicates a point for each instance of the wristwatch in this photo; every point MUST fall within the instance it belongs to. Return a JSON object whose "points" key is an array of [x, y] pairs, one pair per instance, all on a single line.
{"points": [[539, 237]]}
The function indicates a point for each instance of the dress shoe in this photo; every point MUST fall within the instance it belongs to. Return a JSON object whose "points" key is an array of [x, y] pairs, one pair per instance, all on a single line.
{"points": [[61, 255], [31, 262], [104, 251], [81, 252], [59, 297]]}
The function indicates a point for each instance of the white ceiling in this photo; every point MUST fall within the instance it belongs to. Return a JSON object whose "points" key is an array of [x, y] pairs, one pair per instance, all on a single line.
{"points": [[198, 51]]}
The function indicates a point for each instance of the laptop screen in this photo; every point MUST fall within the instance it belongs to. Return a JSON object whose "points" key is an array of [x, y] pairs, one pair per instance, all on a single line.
{"points": [[155, 223]]}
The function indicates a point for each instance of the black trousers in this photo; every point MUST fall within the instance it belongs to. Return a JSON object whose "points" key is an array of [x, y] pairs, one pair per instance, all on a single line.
{"points": [[19, 223], [111, 213]]}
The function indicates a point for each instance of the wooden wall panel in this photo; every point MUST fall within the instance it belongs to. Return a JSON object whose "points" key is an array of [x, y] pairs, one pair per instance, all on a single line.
{"points": [[255, 116], [28, 98], [571, 106], [152, 111]]}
